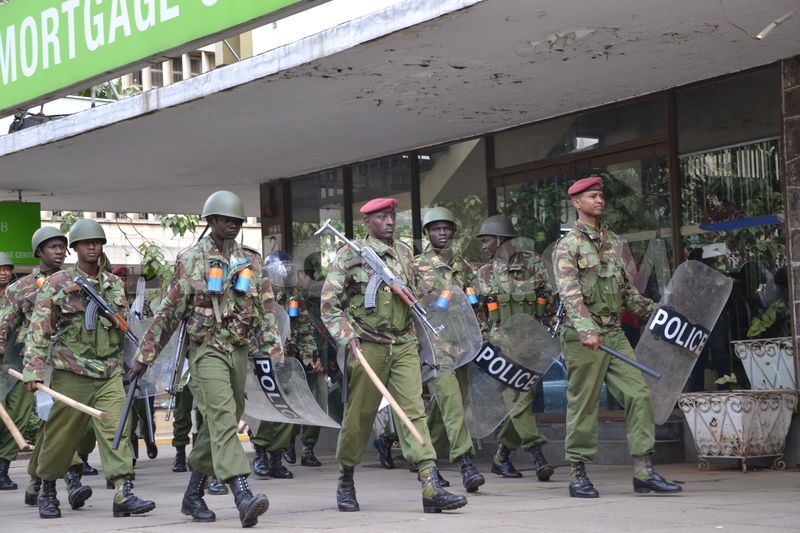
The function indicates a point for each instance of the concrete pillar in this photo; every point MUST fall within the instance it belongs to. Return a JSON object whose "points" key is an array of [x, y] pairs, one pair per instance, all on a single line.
{"points": [[186, 66], [791, 161], [167, 73], [147, 79]]}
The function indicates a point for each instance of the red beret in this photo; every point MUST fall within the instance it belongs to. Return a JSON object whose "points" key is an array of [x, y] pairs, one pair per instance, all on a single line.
{"points": [[594, 183], [378, 204], [119, 271]]}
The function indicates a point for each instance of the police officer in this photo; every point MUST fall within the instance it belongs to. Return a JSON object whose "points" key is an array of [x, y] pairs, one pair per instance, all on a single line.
{"points": [[6, 274], [594, 288], [438, 267], [49, 245], [218, 287], [385, 335], [513, 279], [87, 366]]}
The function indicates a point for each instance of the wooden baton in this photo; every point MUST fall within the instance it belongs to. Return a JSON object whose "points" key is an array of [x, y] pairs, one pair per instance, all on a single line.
{"points": [[63, 399], [388, 395], [12, 428]]}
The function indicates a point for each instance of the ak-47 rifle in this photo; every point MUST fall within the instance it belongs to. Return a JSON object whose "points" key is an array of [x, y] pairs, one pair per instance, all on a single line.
{"points": [[172, 390], [95, 304], [556, 328], [382, 274]]}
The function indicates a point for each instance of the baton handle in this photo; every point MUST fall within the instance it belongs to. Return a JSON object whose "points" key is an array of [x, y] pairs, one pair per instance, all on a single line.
{"points": [[63, 399], [12, 428], [633, 362], [388, 395]]}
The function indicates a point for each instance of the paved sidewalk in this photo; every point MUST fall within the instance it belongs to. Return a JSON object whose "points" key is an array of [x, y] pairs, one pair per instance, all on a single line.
{"points": [[722, 500]]}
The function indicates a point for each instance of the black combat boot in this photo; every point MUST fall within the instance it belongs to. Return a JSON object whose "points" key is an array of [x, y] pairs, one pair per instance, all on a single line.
{"points": [[250, 505], [77, 494], [442, 481], [648, 479], [470, 477], [346, 491], [309, 459], [383, 444], [88, 470], [215, 488], [179, 465], [434, 498], [32, 492], [276, 468], [193, 504], [579, 484], [5, 481], [48, 503], [543, 468], [152, 449], [260, 463], [289, 455], [127, 503], [501, 463]]}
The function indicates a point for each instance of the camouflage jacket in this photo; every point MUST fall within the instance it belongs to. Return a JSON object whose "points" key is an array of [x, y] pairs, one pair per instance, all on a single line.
{"points": [[591, 280], [435, 269], [342, 299], [242, 316], [302, 342], [57, 332], [515, 283], [16, 311]]}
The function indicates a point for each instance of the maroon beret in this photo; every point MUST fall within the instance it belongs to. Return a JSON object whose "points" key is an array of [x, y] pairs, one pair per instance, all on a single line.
{"points": [[592, 183], [378, 204]]}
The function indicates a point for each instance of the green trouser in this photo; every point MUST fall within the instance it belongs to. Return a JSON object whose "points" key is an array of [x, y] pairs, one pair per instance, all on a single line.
{"points": [[182, 419], [274, 436], [217, 384], [316, 382], [397, 366], [18, 403], [57, 444], [586, 371], [520, 429], [87, 442], [447, 420]]}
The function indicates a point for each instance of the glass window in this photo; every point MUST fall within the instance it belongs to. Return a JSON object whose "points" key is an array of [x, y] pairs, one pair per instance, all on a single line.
{"points": [[455, 177], [730, 111], [383, 178], [581, 132], [315, 199]]}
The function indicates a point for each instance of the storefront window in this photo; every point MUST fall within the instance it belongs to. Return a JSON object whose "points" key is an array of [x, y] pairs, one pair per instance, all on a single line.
{"points": [[383, 178], [732, 211], [581, 132], [455, 177], [315, 199]]}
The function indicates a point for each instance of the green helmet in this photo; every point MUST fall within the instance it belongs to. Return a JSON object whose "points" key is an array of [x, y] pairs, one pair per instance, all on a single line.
{"points": [[45, 234], [497, 226], [86, 230], [436, 214], [5, 260], [224, 203]]}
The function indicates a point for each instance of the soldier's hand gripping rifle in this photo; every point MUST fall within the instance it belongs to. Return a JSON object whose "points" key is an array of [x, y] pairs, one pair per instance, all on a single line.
{"points": [[381, 274], [172, 390], [97, 304], [556, 327]]}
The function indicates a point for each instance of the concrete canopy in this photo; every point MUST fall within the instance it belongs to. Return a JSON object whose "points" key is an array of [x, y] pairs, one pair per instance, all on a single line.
{"points": [[380, 84]]}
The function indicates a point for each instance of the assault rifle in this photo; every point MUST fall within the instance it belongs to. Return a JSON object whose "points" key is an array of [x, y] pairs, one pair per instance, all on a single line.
{"points": [[95, 304], [382, 274], [556, 328], [172, 390]]}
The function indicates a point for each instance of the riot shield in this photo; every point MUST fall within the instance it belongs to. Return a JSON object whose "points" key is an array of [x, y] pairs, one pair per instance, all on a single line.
{"points": [[278, 392], [282, 320], [678, 330], [519, 353], [158, 377], [460, 337]]}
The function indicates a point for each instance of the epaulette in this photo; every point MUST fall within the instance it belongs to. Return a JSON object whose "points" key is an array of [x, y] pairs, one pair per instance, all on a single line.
{"points": [[251, 250]]}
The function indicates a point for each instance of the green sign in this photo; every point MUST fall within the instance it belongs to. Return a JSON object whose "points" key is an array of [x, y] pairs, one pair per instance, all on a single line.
{"points": [[47, 46], [18, 221]]}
